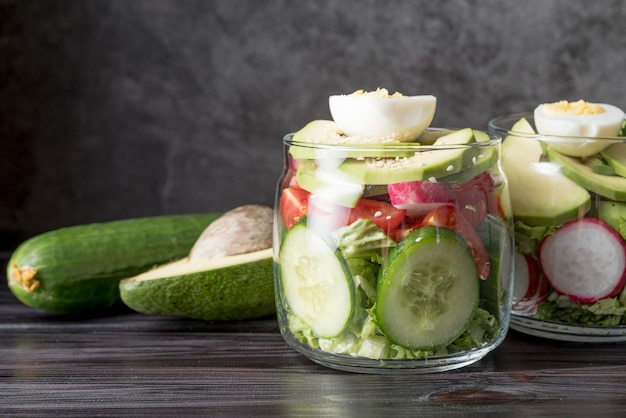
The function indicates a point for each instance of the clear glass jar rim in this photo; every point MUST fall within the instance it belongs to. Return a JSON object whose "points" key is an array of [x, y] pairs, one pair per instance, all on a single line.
{"points": [[494, 140], [503, 125]]}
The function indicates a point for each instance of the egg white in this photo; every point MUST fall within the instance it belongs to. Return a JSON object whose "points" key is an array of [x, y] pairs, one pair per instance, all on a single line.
{"points": [[400, 118], [579, 135]]}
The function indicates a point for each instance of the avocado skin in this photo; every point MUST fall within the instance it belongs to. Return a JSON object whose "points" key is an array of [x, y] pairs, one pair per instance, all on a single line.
{"points": [[237, 292]]}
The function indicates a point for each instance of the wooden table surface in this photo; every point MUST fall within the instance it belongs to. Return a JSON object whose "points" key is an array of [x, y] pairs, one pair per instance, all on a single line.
{"points": [[125, 363]]}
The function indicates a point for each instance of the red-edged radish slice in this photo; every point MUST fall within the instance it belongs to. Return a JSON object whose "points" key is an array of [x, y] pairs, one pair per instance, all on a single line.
{"points": [[584, 260], [530, 287], [419, 197]]}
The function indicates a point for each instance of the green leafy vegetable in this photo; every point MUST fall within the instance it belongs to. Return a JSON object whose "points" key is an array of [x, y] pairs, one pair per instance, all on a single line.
{"points": [[362, 239], [364, 339], [609, 312], [528, 238]]}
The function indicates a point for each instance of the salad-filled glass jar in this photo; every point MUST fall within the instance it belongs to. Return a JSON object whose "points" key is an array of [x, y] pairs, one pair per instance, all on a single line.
{"points": [[566, 163], [392, 255]]}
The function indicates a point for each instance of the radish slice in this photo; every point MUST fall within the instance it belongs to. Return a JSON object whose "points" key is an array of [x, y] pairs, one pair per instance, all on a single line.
{"points": [[585, 260], [420, 197], [530, 287]]}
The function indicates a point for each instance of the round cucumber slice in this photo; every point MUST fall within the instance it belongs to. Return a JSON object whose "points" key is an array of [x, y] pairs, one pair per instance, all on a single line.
{"points": [[315, 282], [428, 290]]}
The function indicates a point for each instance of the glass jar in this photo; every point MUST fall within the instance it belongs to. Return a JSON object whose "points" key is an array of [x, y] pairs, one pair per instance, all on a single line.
{"points": [[394, 257], [569, 206]]}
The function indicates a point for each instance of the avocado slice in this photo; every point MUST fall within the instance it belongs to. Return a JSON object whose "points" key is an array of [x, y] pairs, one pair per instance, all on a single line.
{"points": [[486, 158], [540, 194], [615, 155], [309, 141], [612, 187], [325, 180], [614, 214], [420, 166], [233, 287]]}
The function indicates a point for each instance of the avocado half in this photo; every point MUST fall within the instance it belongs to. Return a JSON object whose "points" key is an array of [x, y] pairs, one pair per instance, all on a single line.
{"points": [[235, 287]]}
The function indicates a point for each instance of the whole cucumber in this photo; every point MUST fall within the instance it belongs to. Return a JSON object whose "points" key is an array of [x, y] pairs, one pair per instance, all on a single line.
{"points": [[79, 268]]}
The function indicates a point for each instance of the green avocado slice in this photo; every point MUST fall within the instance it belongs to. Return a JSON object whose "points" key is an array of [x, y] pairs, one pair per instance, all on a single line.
{"points": [[422, 165], [321, 139], [235, 287], [612, 187], [615, 155], [540, 194]]}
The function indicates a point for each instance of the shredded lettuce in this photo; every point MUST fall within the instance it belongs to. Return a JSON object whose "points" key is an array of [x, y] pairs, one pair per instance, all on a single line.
{"points": [[608, 312], [362, 239], [528, 238], [362, 244], [363, 338]]}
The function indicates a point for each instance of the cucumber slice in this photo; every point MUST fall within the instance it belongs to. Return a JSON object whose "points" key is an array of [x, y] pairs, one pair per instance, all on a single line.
{"points": [[315, 281], [428, 290]]}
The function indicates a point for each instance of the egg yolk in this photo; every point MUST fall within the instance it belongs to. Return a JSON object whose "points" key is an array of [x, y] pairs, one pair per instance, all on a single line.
{"points": [[579, 107], [379, 92]]}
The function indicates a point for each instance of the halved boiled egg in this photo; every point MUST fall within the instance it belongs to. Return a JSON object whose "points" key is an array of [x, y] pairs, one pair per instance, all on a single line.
{"points": [[577, 128], [378, 114]]}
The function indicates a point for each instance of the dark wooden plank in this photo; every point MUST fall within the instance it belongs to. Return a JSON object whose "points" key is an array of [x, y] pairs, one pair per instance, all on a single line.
{"points": [[125, 362]]}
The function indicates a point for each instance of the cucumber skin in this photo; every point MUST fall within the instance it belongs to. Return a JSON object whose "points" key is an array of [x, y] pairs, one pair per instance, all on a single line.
{"points": [[79, 267]]}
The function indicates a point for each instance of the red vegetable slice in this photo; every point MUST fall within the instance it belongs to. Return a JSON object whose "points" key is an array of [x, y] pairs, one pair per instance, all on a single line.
{"points": [[419, 197], [585, 260], [381, 213], [450, 216], [530, 287], [293, 205], [476, 197]]}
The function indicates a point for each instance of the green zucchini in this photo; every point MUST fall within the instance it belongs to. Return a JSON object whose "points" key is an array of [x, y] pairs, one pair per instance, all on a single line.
{"points": [[79, 268]]}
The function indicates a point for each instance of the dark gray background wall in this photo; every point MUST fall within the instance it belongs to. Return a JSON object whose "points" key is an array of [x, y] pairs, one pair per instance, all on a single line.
{"points": [[122, 108]]}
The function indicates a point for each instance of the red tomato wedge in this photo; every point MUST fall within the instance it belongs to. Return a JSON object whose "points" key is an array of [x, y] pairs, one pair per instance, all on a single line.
{"points": [[381, 213], [294, 202], [450, 216], [407, 225]]}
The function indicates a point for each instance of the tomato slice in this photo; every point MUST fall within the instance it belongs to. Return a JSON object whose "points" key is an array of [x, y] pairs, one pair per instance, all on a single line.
{"points": [[407, 225], [449, 216], [293, 203], [476, 198], [381, 213]]}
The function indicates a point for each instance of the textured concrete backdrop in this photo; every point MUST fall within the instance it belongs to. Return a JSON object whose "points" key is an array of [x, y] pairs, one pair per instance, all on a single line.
{"points": [[118, 108]]}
